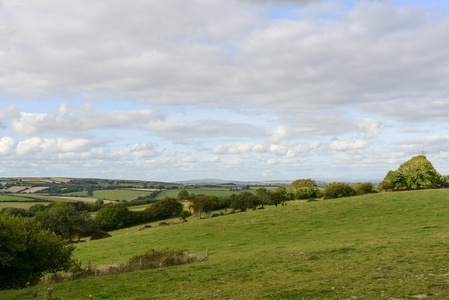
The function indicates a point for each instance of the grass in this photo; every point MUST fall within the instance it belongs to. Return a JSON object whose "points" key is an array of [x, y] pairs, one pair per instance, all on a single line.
{"points": [[391, 245], [111, 194], [206, 191], [13, 198]]}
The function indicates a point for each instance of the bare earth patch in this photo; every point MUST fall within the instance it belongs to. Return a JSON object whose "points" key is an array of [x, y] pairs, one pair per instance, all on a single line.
{"points": [[35, 189], [16, 189]]}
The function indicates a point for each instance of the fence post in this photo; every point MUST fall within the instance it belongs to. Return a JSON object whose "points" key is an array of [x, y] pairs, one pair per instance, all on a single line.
{"points": [[140, 263], [95, 270]]}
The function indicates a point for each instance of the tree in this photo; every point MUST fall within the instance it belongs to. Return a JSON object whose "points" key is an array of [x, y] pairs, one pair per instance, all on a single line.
{"points": [[362, 188], [66, 221], [27, 251], [338, 190], [421, 173], [300, 183], [416, 173], [202, 203], [167, 208], [263, 197], [113, 216], [243, 201], [183, 195]]}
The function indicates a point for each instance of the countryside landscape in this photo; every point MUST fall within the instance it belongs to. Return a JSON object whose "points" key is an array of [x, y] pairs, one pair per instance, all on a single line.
{"points": [[229, 241]]}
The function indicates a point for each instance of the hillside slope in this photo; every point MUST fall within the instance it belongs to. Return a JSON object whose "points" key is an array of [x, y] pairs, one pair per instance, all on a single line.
{"points": [[392, 245]]}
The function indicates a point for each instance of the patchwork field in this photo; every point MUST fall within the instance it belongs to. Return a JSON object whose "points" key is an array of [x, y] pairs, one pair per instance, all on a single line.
{"points": [[206, 191], [380, 246], [111, 194]]}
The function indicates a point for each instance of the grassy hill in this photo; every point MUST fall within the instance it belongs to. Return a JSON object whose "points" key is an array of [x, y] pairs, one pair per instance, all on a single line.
{"points": [[380, 246]]}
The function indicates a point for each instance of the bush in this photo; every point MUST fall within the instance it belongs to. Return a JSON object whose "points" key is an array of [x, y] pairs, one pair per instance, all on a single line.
{"points": [[338, 190], [27, 251], [363, 188], [306, 193], [113, 216]]}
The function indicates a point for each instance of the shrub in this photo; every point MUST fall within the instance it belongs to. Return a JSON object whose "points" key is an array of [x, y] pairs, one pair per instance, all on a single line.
{"points": [[306, 193], [363, 188], [338, 190], [27, 251]]}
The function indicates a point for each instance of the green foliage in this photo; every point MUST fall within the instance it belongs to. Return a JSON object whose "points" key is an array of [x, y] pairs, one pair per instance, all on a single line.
{"points": [[65, 220], [306, 193], [444, 181], [113, 216], [202, 203], [362, 188], [164, 209], [300, 183], [183, 195], [27, 251], [243, 201], [416, 173], [338, 190]]}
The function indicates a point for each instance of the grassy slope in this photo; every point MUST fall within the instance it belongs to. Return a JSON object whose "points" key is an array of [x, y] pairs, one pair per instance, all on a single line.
{"points": [[392, 245]]}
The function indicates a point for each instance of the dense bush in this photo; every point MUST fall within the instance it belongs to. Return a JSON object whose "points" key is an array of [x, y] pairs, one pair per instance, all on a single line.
{"points": [[362, 188], [338, 190], [27, 251], [113, 216], [306, 193]]}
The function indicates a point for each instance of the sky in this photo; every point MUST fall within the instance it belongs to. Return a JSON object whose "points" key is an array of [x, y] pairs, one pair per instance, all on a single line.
{"points": [[229, 89]]}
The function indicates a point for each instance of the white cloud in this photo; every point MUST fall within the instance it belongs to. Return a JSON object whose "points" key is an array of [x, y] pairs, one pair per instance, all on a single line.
{"points": [[347, 145], [6, 145], [142, 150], [238, 148]]}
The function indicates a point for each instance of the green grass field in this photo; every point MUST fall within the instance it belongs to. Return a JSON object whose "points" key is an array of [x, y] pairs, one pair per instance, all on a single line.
{"points": [[111, 194], [379, 246], [206, 191], [14, 198]]}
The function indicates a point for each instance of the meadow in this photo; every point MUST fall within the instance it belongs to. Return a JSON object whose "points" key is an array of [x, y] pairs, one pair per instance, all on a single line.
{"points": [[378, 246], [219, 192], [111, 194]]}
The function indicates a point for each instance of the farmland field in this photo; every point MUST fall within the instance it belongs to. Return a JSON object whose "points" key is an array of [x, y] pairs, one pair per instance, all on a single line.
{"points": [[14, 198], [379, 246], [111, 194], [206, 191]]}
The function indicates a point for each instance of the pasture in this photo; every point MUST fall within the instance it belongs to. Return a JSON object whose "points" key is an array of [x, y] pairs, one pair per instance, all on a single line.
{"points": [[219, 192], [390, 246], [112, 195]]}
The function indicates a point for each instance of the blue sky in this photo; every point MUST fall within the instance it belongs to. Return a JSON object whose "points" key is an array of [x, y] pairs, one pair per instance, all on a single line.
{"points": [[246, 90]]}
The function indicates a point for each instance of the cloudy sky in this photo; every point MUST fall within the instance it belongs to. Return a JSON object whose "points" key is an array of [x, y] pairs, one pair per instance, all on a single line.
{"points": [[231, 89]]}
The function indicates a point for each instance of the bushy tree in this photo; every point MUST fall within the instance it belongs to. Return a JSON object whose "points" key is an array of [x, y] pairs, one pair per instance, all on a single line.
{"points": [[338, 190], [263, 197], [167, 208], [202, 203], [66, 221], [362, 188], [243, 201], [113, 216], [420, 173], [306, 193], [27, 251], [416, 173], [183, 195], [300, 183]]}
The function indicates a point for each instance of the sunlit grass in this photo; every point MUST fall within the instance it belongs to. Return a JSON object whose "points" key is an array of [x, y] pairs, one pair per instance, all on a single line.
{"points": [[391, 245]]}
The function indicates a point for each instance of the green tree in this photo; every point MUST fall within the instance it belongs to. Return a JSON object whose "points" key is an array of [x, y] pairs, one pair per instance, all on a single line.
{"points": [[243, 201], [421, 173], [362, 188], [338, 190], [263, 197], [27, 251], [300, 183], [66, 221], [113, 216], [183, 195], [202, 203], [167, 208]]}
